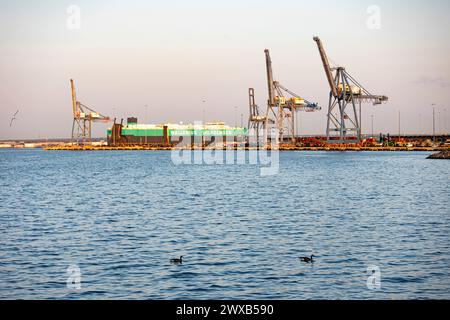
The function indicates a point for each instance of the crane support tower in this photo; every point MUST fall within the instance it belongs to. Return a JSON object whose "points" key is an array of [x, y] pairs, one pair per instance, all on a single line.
{"points": [[346, 97], [282, 106], [83, 117], [256, 121]]}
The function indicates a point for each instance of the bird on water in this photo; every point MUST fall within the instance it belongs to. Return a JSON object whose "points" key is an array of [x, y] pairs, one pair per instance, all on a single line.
{"points": [[307, 259], [177, 261]]}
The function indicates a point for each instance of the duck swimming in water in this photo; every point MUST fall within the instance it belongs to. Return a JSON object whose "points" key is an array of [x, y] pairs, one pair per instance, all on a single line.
{"points": [[177, 261], [306, 259]]}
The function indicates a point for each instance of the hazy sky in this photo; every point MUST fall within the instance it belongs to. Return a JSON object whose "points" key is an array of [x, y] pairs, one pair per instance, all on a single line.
{"points": [[171, 55]]}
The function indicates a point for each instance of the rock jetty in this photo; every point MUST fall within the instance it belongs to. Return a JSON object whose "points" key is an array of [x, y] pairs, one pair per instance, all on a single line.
{"points": [[445, 154]]}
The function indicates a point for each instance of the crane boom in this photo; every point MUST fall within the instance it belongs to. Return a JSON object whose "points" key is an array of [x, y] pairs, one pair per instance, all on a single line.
{"points": [[326, 66], [365, 94], [74, 98], [309, 104], [270, 78]]}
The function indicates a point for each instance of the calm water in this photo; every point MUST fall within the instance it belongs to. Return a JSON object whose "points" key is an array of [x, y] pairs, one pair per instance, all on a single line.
{"points": [[120, 217]]}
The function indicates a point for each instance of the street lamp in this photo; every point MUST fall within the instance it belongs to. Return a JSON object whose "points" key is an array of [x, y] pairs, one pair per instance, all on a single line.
{"points": [[146, 114], [445, 121], [146, 121], [372, 125], [434, 124], [439, 123], [204, 111], [420, 124]]}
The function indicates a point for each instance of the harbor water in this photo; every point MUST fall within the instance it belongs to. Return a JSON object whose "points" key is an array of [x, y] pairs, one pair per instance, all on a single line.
{"points": [[118, 217]]}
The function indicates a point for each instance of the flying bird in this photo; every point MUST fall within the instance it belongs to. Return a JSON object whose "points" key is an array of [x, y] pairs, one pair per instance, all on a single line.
{"points": [[13, 118]]}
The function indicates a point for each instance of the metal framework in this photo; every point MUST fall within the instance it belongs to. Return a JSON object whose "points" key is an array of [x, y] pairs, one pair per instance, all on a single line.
{"points": [[256, 121], [83, 116], [282, 106], [344, 106]]}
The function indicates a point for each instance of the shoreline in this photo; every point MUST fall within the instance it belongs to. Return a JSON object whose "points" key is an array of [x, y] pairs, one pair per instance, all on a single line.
{"points": [[323, 149]]}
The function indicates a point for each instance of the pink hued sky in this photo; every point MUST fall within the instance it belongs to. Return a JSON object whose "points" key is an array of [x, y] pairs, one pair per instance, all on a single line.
{"points": [[182, 57]]}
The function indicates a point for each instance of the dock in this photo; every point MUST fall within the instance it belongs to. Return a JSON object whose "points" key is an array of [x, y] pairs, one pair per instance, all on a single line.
{"points": [[281, 148]]}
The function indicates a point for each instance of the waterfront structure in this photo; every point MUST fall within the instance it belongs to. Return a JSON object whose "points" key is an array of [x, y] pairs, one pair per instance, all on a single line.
{"points": [[172, 134]]}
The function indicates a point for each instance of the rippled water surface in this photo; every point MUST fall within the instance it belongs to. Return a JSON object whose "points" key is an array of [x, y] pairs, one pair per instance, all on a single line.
{"points": [[120, 217]]}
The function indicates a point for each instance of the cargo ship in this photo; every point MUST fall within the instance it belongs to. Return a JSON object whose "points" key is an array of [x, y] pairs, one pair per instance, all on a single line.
{"points": [[172, 134]]}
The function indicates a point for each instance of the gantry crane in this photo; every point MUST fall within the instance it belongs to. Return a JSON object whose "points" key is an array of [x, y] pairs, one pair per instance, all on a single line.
{"points": [[83, 116], [282, 106], [344, 125], [256, 121]]}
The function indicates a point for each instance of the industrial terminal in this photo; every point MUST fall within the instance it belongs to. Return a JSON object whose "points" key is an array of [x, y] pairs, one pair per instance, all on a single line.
{"points": [[273, 123], [225, 159]]}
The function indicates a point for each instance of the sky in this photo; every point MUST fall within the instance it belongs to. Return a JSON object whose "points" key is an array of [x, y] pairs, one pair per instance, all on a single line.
{"points": [[173, 55]]}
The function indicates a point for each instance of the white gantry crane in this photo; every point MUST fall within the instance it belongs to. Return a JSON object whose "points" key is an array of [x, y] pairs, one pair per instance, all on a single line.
{"points": [[282, 107], [83, 116], [346, 97]]}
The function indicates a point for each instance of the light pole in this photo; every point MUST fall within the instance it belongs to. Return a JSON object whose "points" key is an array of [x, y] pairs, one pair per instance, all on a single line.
{"points": [[204, 111], [434, 125], [439, 123], [372, 125], [445, 121], [146, 121], [420, 123], [399, 128], [235, 117]]}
